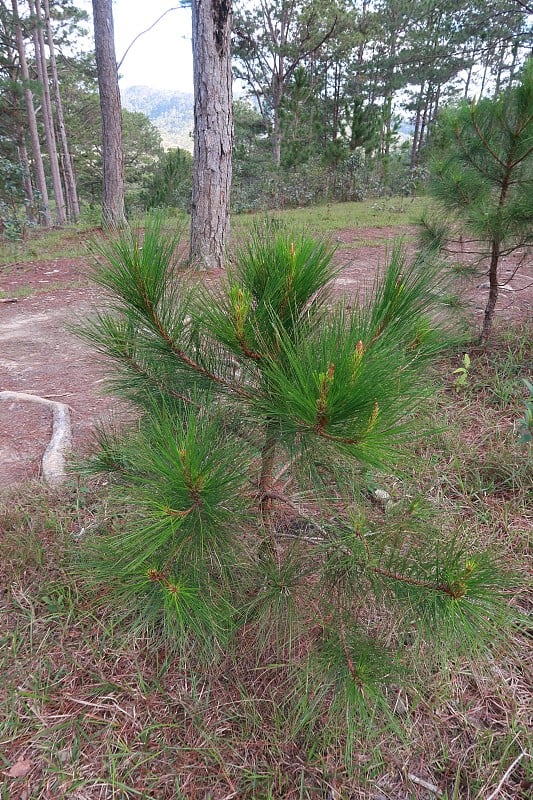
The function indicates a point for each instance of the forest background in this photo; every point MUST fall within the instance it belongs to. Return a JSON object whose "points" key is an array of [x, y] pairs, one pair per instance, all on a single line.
{"points": [[337, 103]]}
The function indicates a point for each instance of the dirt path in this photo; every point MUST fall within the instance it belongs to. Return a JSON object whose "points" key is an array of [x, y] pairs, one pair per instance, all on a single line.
{"points": [[40, 355]]}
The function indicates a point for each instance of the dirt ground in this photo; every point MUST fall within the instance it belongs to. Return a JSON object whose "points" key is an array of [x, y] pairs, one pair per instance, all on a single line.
{"points": [[40, 355]]}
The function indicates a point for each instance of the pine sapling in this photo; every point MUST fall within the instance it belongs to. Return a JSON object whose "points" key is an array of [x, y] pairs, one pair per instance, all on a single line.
{"points": [[260, 403]]}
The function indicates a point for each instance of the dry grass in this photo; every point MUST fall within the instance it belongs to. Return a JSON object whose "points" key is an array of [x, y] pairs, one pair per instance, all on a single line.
{"points": [[88, 713]]}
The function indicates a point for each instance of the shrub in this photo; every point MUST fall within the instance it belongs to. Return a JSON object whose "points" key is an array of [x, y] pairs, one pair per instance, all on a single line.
{"points": [[171, 184], [261, 403]]}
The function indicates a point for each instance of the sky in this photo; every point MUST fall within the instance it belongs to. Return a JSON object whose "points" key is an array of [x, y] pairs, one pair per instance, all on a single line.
{"points": [[161, 58]]}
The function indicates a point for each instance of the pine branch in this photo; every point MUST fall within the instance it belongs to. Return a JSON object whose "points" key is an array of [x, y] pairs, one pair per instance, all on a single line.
{"points": [[484, 141], [456, 591], [186, 359]]}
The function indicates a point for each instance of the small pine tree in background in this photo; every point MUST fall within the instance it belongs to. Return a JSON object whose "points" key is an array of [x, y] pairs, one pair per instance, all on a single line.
{"points": [[480, 177], [171, 184], [261, 402]]}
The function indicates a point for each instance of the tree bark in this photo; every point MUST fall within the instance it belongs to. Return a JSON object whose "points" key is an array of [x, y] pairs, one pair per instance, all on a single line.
{"points": [[414, 158], [213, 132], [48, 118], [493, 292], [495, 253], [40, 177], [268, 456], [29, 200], [277, 96], [73, 206], [113, 209]]}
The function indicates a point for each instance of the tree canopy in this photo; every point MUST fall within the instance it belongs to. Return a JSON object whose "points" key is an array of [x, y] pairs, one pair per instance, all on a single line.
{"points": [[344, 98]]}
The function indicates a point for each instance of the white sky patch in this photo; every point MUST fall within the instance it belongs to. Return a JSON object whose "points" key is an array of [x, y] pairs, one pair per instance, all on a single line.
{"points": [[160, 58]]}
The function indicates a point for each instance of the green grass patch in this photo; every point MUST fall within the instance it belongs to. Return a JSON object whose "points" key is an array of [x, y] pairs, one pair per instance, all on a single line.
{"points": [[381, 213], [19, 293], [71, 241], [44, 245]]}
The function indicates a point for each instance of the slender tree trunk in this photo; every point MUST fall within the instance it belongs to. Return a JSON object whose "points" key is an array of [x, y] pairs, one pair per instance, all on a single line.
{"points": [[493, 291], [213, 132], [266, 478], [277, 96], [485, 73], [48, 118], [413, 162], [358, 80], [106, 64], [386, 136], [469, 72], [500, 69], [335, 112], [40, 178], [433, 111], [355, 109], [424, 120], [512, 68], [29, 200], [68, 169], [495, 254]]}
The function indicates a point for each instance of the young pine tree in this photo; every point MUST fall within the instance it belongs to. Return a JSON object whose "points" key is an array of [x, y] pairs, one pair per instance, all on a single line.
{"points": [[260, 403], [482, 172]]}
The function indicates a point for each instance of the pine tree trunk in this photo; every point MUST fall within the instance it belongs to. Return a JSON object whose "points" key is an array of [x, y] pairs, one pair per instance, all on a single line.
{"points": [[40, 177], [433, 112], [424, 121], [73, 206], [277, 94], [335, 111], [48, 119], [213, 132], [485, 73], [500, 68], [276, 136], [266, 478], [495, 253], [493, 292], [29, 200], [361, 50], [106, 63], [468, 79], [414, 160], [278, 77]]}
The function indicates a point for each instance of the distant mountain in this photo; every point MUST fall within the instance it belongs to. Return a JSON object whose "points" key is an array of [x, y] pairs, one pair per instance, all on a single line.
{"points": [[171, 112]]}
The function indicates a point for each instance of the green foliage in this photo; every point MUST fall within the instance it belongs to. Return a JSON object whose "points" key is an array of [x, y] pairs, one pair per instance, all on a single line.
{"points": [[313, 169], [300, 120], [185, 481], [364, 125], [485, 150], [525, 425], [13, 223], [481, 177], [463, 373], [171, 184], [336, 175], [261, 401], [141, 144]]}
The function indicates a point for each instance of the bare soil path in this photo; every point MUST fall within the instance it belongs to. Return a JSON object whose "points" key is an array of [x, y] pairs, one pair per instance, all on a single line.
{"points": [[39, 354]]}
